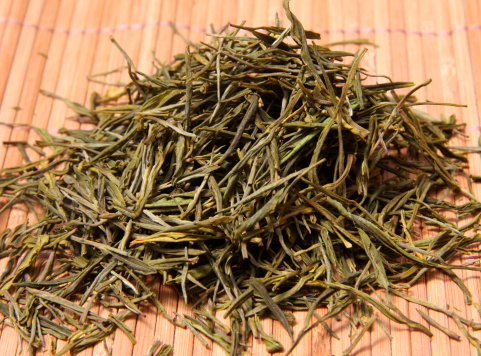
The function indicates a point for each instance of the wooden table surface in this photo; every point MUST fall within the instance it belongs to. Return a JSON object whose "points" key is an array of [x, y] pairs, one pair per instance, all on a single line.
{"points": [[55, 44]]}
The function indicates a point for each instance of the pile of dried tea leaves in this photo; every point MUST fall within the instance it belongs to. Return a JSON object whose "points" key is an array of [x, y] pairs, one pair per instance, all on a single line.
{"points": [[252, 175]]}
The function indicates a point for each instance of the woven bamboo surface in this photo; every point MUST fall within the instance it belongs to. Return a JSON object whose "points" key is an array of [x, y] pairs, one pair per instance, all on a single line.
{"points": [[55, 44]]}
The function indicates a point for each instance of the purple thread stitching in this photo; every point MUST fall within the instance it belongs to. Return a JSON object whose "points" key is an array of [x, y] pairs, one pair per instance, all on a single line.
{"points": [[401, 30], [139, 26], [470, 129], [121, 27]]}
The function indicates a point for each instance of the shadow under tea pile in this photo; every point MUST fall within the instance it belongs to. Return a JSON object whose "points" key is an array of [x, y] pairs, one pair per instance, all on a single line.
{"points": [[251, 175]]}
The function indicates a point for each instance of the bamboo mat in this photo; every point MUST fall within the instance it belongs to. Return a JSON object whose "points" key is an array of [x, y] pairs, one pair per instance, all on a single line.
{"points": [[55, 44]]}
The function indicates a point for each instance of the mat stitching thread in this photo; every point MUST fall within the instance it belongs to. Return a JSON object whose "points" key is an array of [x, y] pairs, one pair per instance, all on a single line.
{"points": [[121, 27], [139, 26]]}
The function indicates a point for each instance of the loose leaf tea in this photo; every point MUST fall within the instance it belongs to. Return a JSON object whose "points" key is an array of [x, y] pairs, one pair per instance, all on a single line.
{"points": [[253, 174]]}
